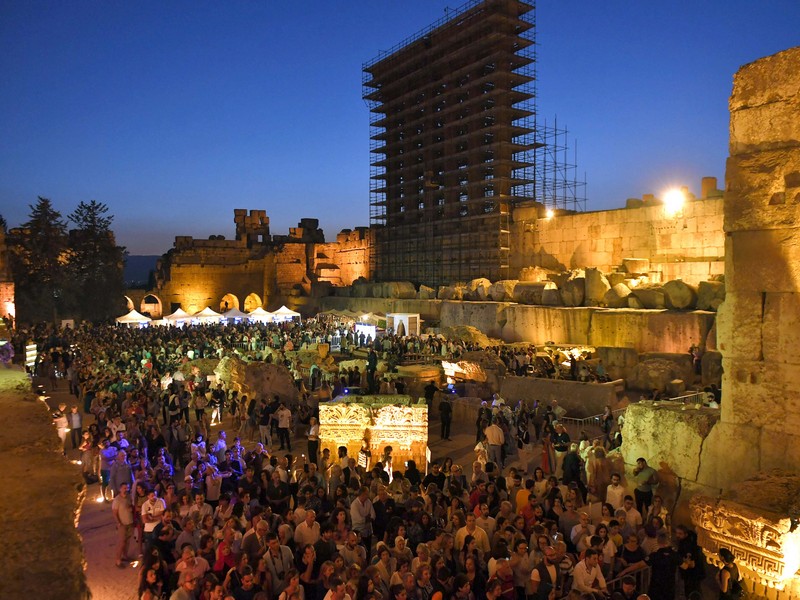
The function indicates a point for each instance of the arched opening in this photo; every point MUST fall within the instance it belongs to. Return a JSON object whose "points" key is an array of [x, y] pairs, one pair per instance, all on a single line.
{"points": [[151, 306], [129, 305], [228, 302], [252, 302]]}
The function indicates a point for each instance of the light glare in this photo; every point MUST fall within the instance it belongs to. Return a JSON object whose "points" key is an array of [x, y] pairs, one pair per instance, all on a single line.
{"points": [[673, 202]]}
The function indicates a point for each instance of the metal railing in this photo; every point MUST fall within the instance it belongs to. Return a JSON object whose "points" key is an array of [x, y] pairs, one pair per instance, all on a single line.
{"points": [[691, 398]]}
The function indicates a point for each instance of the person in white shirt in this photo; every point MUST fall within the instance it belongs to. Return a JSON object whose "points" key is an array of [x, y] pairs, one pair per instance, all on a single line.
{"points": [[338, 591], [616, 492], [587, 577], [307, 532], [634, 517], [495, 438], [581, 533]]}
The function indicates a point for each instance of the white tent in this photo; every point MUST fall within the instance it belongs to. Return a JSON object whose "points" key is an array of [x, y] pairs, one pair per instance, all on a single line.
{"points": [[207, 315], [179, 317], [285, 314], [134, 319], [261, 315], [234, 314]]}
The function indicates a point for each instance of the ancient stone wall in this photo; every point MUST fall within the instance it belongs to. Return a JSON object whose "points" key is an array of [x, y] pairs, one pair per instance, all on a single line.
{"points": [[640, 330], [689, 245], [196, 286], [760, 320]]}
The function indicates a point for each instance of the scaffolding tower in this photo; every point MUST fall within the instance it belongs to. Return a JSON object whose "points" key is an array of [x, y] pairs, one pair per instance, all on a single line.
{"points": [[456, 145]]}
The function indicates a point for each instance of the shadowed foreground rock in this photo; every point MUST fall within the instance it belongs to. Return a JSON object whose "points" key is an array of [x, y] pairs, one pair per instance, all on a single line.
{"points": [[41, 494]]}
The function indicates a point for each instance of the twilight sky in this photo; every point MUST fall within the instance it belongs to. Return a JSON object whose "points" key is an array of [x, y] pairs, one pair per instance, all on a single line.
{"points": [[175, 113]]}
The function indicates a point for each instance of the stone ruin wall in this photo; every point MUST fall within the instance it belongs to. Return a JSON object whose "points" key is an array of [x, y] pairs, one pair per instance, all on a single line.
{"points": [[759, 324], [689, 246], [195, 286], [701, 454]]}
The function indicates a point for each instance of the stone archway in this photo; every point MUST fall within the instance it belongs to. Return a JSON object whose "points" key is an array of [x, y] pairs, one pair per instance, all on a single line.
{"points": [[129, 305], [228, 302], [151, 305], [252, 302]]}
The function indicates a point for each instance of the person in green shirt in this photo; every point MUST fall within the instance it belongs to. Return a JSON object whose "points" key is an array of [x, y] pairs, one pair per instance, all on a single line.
{"points": [[646, 479]]}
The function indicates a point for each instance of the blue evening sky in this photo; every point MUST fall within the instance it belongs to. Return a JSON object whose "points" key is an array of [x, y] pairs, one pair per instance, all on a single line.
{"points": [[176, 112]]}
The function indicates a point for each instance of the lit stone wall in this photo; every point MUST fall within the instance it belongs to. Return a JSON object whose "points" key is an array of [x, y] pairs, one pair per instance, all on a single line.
{"points": [[195, 286], [759, 323], [690, 245]]}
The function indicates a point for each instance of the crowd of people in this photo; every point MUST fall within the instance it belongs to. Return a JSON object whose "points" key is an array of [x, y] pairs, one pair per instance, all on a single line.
{"points": [[235, 514]]}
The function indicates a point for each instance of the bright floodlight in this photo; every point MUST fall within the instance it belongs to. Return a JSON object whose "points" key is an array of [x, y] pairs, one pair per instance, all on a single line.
{"points": [[673, 202], [550, 213]]}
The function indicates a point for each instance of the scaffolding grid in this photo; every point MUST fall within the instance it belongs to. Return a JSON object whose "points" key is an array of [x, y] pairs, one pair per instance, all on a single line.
{"points": [[455, 145]]}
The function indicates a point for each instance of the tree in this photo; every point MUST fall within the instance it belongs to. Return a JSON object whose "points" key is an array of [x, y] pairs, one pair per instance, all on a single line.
{"points": [[97, 263], [39, 257]]}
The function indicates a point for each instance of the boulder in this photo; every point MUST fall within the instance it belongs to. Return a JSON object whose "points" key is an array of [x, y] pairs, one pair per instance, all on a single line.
{"points": [[676, 387], [534, 274], [426, 293], [679, 295], [257, 378], [616, 277], [635, 266], [403, 290], [574, 291], [651, 296], [560, 278], [617, 296], [530, 292], [362, 289], [634, 302], [503, 290], [654, 374], [710, 294], [596, 287], [451, 292], [551, 297], [478, 289], [468, 333]]}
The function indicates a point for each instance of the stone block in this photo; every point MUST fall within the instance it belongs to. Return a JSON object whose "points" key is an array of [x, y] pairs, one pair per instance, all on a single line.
{"points": [[651, 296], [711, 367], [503, 290], [616, 277], [451, 292], [679, 295], [573, 292], [676, 388], [426, 293], [634, 302], [739, 325], [654, 374], [534, 274], [636, 265], [399, 290], [670, 437], [730, 454], [530, 292], [781, 327], [710, 294], [617, 296], [478, 289], [551, 297], [596, 286]]}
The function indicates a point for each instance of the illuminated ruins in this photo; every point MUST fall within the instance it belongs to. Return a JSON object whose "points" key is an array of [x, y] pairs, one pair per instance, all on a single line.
{"points": [[399, 423]]}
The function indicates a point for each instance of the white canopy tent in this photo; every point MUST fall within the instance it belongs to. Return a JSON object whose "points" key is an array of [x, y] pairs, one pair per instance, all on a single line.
{"points": [[179, 318], [235, 315], [207, 315], [285, 314], [134, 319], [260, 315]]}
